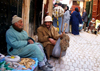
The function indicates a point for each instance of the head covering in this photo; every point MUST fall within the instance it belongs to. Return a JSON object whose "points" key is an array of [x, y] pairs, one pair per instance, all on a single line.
{"points": [[76, 9], [59, 4], [48, 19], [93, 18], [67, 8], [56, 3], [15, 19]]}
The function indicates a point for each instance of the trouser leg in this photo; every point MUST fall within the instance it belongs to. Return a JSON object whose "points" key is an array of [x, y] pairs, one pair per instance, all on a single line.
{"points": [[49, 49], [84, 26], [60, 22], [42, 63], [55, 22]]}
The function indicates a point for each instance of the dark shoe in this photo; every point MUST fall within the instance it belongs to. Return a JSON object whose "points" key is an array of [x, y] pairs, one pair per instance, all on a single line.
{"points": [[48, 64], [66, 32], [45, 68]]}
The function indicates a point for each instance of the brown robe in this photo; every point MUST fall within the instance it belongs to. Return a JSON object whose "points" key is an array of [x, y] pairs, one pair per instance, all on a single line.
{"points": [[43, 35]]}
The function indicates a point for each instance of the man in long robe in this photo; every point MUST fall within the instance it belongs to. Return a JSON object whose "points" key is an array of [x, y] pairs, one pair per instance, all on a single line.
{"points": [[18, 43]]}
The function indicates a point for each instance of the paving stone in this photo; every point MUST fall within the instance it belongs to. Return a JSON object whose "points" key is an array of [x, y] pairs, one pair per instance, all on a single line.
{"points": [[67, 67], [72, 68], [62, 66], [58, 69], [63, 70], [57, 65], [83, 54]]}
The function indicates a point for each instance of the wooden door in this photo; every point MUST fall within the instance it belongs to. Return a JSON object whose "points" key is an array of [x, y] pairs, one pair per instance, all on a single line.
{"points": [[35, 16], [8, 8], [74, 6], [87, 7], [95, 8], [98, 12]]}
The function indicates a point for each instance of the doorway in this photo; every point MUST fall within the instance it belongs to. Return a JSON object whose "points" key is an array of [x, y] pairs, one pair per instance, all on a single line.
{"points": [[8, 8], [35, 16]]}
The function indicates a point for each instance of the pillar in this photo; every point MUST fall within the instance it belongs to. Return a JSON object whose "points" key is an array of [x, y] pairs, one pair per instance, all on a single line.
{"points": [[25, 14]]}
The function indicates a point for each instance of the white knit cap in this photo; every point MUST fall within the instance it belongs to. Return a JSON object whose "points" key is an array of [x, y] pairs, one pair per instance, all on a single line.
{"points": [[48, 18], [93, 18], [15, 19]]}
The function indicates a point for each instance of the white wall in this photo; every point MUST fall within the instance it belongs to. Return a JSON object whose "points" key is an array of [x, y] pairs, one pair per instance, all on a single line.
{"points": [[68, 2], [81, 7]]}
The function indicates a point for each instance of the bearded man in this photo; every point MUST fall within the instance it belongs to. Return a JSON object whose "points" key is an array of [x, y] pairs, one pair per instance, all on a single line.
{"points": [[48, 35], [18, 43]]}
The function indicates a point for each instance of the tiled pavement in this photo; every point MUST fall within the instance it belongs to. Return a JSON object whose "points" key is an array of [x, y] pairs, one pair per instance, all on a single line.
{"points": [[82, 55]]}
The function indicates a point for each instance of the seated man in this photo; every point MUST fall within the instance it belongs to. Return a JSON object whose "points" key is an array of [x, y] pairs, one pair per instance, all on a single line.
{"points": [[18, 43], [92, 25], [48, 35]]}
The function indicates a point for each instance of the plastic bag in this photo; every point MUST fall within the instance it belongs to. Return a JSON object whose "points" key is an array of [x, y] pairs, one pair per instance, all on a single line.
{"points": [[1, 56], [57, 49]]}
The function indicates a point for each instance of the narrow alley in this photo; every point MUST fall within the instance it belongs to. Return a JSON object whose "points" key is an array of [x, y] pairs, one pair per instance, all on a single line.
{"points": [[82, 55]]}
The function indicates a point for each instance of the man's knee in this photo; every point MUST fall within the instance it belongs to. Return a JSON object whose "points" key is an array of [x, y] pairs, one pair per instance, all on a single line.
{"points": [[48, 50]]}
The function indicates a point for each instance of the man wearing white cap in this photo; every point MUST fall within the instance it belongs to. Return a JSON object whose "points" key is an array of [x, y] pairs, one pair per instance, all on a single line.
{"points": [[48, 36], [91, 27], [18, 43]]}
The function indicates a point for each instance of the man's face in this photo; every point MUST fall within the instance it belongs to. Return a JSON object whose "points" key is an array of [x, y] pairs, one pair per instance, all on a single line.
{"points": [[19, 25], [66, 7], [93, 20], [48, 24], [56, 5], [84, 10]]}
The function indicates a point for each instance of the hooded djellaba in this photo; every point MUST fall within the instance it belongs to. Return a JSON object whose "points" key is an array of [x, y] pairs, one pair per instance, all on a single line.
{"points": [[76, 20]]}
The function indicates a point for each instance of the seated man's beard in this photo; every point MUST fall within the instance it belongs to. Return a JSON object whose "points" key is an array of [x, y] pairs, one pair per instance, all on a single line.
{"points": [[47, 25], [17, 29]]}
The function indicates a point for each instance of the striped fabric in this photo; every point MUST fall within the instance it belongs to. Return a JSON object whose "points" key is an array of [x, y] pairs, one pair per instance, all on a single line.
{"points": [[58, 11]]}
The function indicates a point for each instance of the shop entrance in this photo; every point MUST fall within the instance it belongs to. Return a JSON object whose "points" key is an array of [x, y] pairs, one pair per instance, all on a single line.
{"points": [[35, 16]]}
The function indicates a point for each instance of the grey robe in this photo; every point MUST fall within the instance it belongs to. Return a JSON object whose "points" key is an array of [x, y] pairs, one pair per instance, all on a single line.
{"points": [[66, 20]]}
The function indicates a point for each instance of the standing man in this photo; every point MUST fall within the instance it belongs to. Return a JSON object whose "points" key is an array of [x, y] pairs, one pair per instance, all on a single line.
{"points": [[18, 43], [85, 19], [55, 5], [58, 12]]}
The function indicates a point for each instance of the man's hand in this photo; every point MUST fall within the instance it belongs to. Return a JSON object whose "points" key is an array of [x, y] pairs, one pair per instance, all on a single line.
{"points": [[30, 41], [52, 41], [56, 17], [62, 35]]}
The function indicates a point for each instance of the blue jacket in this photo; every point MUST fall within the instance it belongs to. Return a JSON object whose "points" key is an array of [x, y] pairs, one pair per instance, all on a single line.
{"points": [[85, 17], [17, 44]]}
